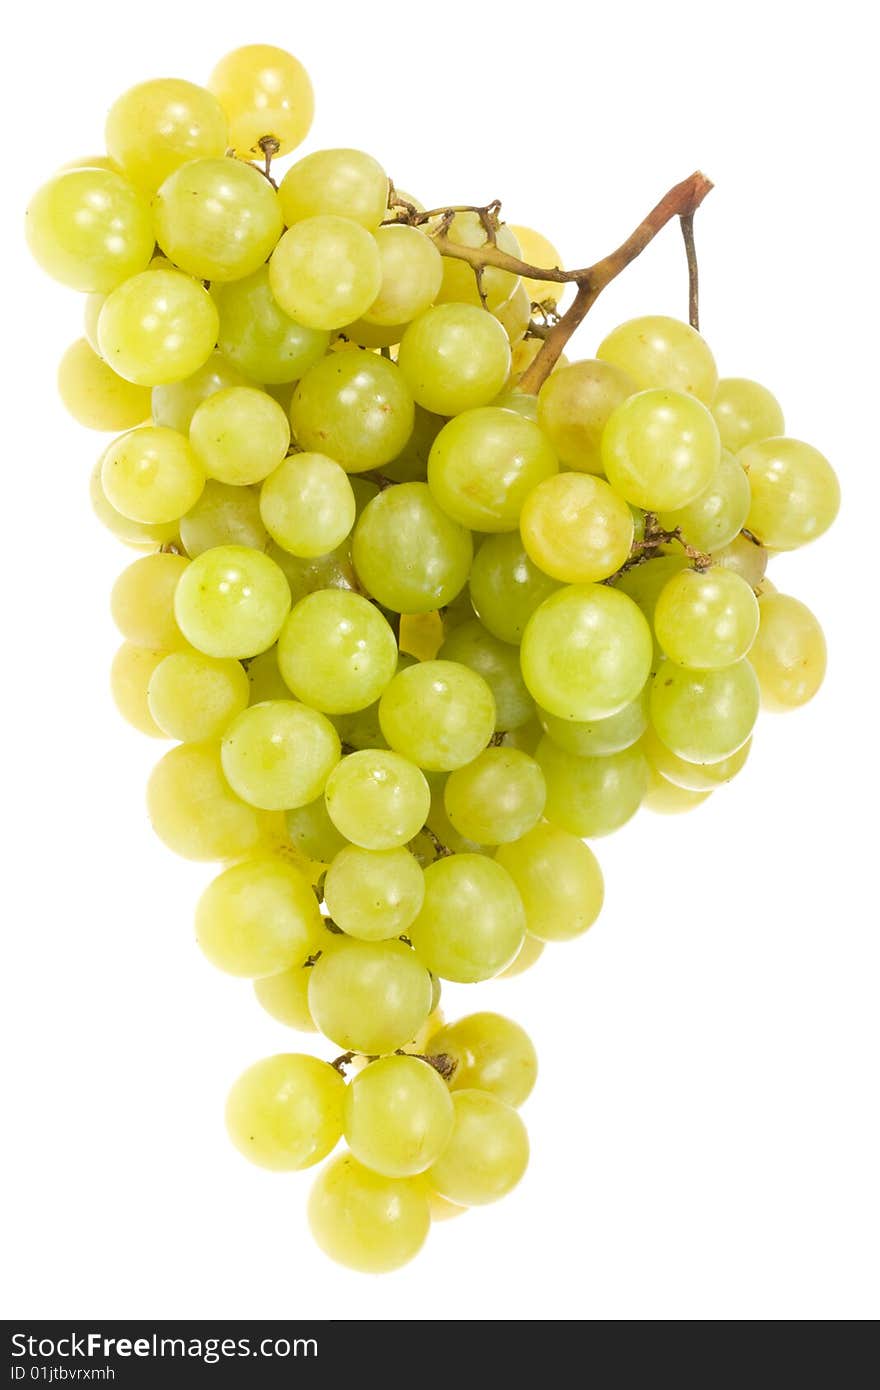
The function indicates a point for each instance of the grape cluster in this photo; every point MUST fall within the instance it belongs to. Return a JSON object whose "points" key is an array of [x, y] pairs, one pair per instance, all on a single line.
{"points": [[415, 634]]}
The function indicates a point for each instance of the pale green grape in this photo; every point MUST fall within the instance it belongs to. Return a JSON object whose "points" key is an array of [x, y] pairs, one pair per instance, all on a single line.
{"points": [[665, 799], [363, 334], [692, 777], [258, 337], [454, 357], [704, 716], [285, 1112], [575, 528], [492, 1054], [218, 219], [537, 250], [313, 833], [745, 412], [515, 313], [264, 91], [336, 651], [278, 755], [519, 401], [377, 799], [156, 126], [95, 396], [193, 697], [706, 619], [438, 713], [498, 663], [591, 796], [660, 449], [398, 1116], [487, 1154], [142, 602], [506, 587], [459, 283], [459, 611], [559, 880], [285, 997], [789, 653], [89, 229], [574, 406], [445, 831], [239, 435], [90, 161], [92, 307], [484, 464], [412, 270], [361, 728], [716, 517], [411, 464], [659, 351], [325, 271], [130, 676], [795, 492], [369, 996], [745, 557], [152, 475], [354, 406], [596, 738], [408, 553], [374, 894], [644, 583], [195, 812], [158, 327], [307, 505], [258, 917], [365, 1221], [305, 576], [496, 798], [529, 954], [223, 515], [175, 404], [232, 601], [342, 183], [264, 679], [472, 921], [527, 737]]}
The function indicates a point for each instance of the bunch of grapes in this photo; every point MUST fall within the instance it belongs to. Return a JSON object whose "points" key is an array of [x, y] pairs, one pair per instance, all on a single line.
{"points": [[422, 605]]}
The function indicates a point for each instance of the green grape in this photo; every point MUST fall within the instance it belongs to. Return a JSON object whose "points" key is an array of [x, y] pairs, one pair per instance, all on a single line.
{"points": [[363, 334], [239, 435], [795, 492], [717, 516], [363, 490], [459, 611], [193, 697], [223, 515], [644, 583], [586, 652], [156, 126], [506, 587], [325, 271], [398, 1116], [361, 728], [264, 679], [92, 307], [574, 406], [285, 997], [439, 823], [596, 738], [520, 402], [454, 357], [278, 755], [313, 833], [537, 250], [89, 229], [158, 327], [412, 269], [258, 917], [459, 283], [217, 219], [365, 1221], [659, 351], [591, 796], [529, 954], [789, 653], [336, 651], [411, 464], [706, 619], [496, 798], [704, 716], [438, 713], [408, 553], [232, 602], [498, 663], [660, 449], [90, 161], [527, 737], [745, 413], [130, 675], [175, 404], [142, 602], [258, 337], [195, 812], [745, 557], [374, 894], [692, 777], [151, 475], [484, 464], [377, 799], [354, 406], [95, 396], [307, 505], [665, 799], [265, 92], [576, 529], [560, 882], [340, 183], [491, 1054], [515, 313], [472, 921], [487, 1154], [285, 1112], [369, 996]]}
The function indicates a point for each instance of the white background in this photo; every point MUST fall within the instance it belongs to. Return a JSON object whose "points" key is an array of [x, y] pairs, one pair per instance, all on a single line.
{"points": [[705, 1127]]}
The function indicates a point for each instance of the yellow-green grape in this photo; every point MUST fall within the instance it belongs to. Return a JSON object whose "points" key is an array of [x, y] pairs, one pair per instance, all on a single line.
{"points": [[491, 1053], [459, 283], [239, 435], [506, 587], [472, 921], [498, 663], [420, 635], [527, 737], [175, 404], [91, 311], [398, 1116], [425, 846], [574, 406], [156, 126], [596, 738], [660, 449], [258, 918], [559, 880], [537, 250], [408, 553], [142, 602], [704, 716], [586, 652], [496, 798], [325, 271], [454, 357], [340, 183], [259, 337], [745, 412], [195, 812], [795, 492], [313, 833], [487, 1154], [706, 619], [365, 1221], [217, 219], [336, 651], [692, 777], [158, 327], [223, 515], [367, 335], [483, 465], [439, 714], [412, 269], [354, 406], [377, 799], [660, 351], [232, 601], [361, 728], [89, 229], [529, 954], [515, 313], [591, 796], [307, 505], [576, 528], [95, 396], [665, 799], [285, 1112], [90, 161], [374, 894], [151, 475], [278, 755], [789, 652], [331, 571], [717, 516], [193, 697], [285, 997], [411, 464], [264, 678], [265, 92], [745, 557], [130, 676], [520, 402], [369, 996]]}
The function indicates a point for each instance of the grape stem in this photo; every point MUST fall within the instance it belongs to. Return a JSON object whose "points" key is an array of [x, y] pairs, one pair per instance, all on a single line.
{"points": [[440, 850], [440, 1061], [655, 536], [690, 250]]}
